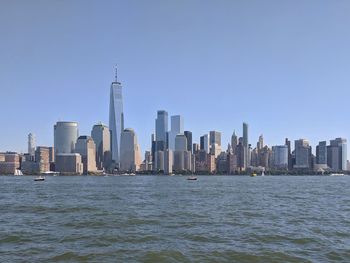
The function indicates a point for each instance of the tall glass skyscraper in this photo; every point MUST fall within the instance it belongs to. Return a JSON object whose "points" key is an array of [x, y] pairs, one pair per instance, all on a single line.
{"points": [[161, 130], [116, 117]]}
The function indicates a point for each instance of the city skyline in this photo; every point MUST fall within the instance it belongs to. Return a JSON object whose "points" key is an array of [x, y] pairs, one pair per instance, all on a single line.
{"points": [[252, 71]]}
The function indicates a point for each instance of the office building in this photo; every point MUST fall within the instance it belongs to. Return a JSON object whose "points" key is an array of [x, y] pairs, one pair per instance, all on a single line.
{"points": [[69, 163], [116, 118], [86, 147], [9, 162], [188, 135], [204, 143], [161, 130], [102, 137], [65, 136], [168, 162], [234, 142], [321, 153], [302, 154], [31, 144], [280, 157], [177, 127], [337, 154], [130, 155]]}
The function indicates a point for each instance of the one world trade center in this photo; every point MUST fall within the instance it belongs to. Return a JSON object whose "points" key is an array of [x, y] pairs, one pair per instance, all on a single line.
{"points": [[116, 118]]}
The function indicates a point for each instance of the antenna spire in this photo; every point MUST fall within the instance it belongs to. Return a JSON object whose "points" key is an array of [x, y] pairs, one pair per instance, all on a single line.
{"points": [[116, 72]]}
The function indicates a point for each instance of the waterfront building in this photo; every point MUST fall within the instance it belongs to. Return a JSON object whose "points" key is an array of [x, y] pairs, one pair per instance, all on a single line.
{"points": [[234, 142], [246, 144], [179, 161], [337, 154], [204, 143], [290, 157], [241, 155], [280, 157], [168, 161], [321, 153], [101, 135], [9, 162], [69, 163], [211, 165], [42, 157], [231, 163], [188, 135], [65, 136], [31, 144], [130, 159], [116, 117], [187, 161], [177, 127], [159, 161], [86, 147], [161, 130], [302, 154], [221, 163]]}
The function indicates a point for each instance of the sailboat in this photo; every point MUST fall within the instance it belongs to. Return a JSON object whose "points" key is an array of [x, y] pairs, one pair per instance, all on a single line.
{"points": [[18, 172], [263, 173]]}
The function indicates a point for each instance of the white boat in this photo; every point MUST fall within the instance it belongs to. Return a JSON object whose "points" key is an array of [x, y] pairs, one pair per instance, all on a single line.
{"points": [[18, 172], [51, 173], [263, 173], [39, 178], [337, 174]]}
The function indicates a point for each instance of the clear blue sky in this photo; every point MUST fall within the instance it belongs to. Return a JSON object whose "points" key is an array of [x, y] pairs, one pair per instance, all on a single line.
{"points": [[281, 66]]}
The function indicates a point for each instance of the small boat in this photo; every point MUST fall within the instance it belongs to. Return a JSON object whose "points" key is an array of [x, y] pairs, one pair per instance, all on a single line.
{"points": [[51, 173], [192, 178], [253, 175], [39, 178], [337, 174]]}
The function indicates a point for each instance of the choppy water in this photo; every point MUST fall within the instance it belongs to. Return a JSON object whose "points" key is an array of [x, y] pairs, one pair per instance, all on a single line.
{"points": [[170, 219]]}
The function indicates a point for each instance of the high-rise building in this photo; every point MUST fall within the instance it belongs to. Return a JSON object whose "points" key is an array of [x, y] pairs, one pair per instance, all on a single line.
{"points": [[168, 162], [195, 148], [188, 135], [42, 158], [130, 158], [180, 142], [302, 154], [290, 159], [86, 147], [260, 143], [280, 157], [246, 144], [31, 144], [116, 117], [177, 127], [65, 136], [102, 137], [161, 130], [204, 143], [215, 143], [321, 153], [69, 163], [234, 142], [337, 154]]}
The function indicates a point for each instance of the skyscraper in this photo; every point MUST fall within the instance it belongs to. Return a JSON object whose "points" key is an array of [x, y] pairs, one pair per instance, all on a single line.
{"points": [[161, 130], [65, 136], [188, 135], [215, 143], [102, 137], [177, 127], [280, 157], [234, 142], [31, 144], [116, 117], [246, 144], [86, 147], [321, 153], [337, 154], [130, 158], [302, 154], [204, 143]]}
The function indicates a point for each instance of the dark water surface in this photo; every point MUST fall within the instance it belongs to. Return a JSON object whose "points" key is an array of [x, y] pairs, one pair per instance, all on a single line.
{"points": [[170, 219]]}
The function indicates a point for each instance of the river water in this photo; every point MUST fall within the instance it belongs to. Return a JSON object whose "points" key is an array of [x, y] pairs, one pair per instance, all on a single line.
{"points": [[171, 219]]}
